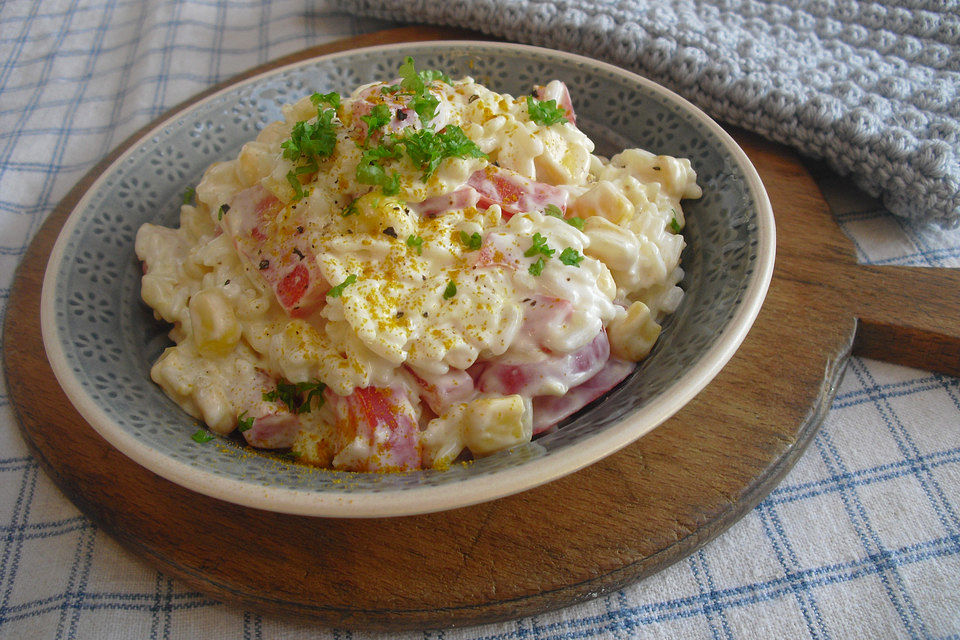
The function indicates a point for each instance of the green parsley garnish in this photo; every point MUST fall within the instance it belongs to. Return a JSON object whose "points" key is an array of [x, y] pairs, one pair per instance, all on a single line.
{"points": [[294, 181], [539, 246], [244, 423], [423, 103], [536, 268], [471, 241], [428, 149], [674, 225], [311, 142], [450, 291], [292, 395], [188, 195], [379, 116], [222, 210], [332, 99], [429, 75], [425, 106], [415, 242], [351, 208], [545, 112], [554, 210], [337, 291], [202, 435], [416, 82], [425, 148], [370, 171], [571, 257]]}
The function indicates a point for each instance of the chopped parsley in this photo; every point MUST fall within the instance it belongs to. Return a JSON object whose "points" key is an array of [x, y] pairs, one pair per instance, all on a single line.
{"points": [[450, 291], [350, 209], [554, 210], [332, 99], [311, 142], [471, 241], [292, 395], [539, 246], [222, 210], [429, 75], [425, 148], [337, 291], [674, 225], [571, 257], [371, 171], [244, 422], [294, 181], [189, 194], [428, 149], [202, 435], [415, 242], [536, 268], [423, 103], [379, 116], [545, 112], [416, 82]]}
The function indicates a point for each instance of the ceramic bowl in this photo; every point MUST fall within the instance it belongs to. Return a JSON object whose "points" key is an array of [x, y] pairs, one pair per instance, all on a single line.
{"points": [[102, 340]]}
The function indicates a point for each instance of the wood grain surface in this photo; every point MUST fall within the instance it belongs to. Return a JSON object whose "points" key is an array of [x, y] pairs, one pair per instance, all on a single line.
{"points": [[597, 530]]}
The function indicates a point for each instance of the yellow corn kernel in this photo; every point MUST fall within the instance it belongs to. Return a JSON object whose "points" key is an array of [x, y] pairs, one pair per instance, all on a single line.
{"points": [[215, 327], [615, 246], [494, 424], [603, 200], [633, 335]]}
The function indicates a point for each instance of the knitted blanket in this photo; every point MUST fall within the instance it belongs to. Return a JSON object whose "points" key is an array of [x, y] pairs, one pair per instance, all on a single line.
{"points": [[871, 87]]}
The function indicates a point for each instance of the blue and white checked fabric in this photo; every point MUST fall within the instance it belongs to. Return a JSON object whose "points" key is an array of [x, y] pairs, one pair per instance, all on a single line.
{"points": [[861, 540]]}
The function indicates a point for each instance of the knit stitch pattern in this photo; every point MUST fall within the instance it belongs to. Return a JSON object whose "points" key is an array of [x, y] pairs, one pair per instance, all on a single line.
{"points": [[873, 88]]}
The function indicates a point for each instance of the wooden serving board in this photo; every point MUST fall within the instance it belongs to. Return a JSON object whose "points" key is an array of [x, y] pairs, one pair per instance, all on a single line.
{"points": [[597, 530]]}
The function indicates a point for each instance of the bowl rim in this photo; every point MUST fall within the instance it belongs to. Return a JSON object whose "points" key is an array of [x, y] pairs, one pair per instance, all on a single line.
{"points": [[470, 491]]}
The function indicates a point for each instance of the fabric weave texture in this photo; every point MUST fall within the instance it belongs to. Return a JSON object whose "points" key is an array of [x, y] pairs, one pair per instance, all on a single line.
{"points": [[872, 88], [861, 540]]}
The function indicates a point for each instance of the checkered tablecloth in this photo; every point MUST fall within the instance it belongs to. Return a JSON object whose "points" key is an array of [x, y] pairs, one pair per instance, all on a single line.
{"points": [[861, 540]]}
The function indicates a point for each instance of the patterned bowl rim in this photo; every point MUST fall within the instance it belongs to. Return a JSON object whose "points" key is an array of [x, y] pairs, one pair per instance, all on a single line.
{"points": [[469, 491]]}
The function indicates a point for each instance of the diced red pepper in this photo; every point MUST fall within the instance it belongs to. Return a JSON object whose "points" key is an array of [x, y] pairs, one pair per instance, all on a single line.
{"points": [[384, 419], [282, 255], [514, 192]]}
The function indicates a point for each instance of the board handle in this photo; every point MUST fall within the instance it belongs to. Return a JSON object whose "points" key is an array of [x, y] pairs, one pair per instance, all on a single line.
{"points": [[908, 316]]}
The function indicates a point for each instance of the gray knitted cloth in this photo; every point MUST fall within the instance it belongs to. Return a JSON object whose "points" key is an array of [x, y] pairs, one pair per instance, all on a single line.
{"points": [[871, 87]]}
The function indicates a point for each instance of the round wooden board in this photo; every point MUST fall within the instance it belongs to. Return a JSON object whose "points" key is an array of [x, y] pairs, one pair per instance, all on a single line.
{"points": [[597, 530]]}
